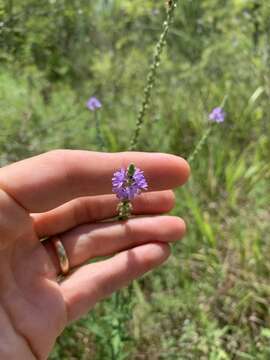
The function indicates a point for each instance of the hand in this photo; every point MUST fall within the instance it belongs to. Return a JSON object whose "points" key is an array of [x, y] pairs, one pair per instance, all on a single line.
{"points": [[67, 193]]}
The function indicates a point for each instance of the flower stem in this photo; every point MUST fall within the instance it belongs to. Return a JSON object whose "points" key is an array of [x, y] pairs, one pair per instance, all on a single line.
{"points": [[99, 138], [124, 210], [199, 146], [151, 77]]}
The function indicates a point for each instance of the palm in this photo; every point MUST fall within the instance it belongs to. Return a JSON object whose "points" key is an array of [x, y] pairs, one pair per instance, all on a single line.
{"points": [[32, 295], [34, 306]]}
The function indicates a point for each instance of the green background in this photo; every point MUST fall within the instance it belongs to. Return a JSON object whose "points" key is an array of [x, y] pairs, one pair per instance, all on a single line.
{"points": [[212, 298]]}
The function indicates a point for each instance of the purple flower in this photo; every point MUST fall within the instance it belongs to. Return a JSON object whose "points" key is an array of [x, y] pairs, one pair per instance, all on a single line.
{"points": [[217, 115], [126, 186], [93, 104]]}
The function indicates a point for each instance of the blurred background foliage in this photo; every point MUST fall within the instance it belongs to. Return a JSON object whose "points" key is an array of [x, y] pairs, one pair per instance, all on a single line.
{"points": [[212, 298]]}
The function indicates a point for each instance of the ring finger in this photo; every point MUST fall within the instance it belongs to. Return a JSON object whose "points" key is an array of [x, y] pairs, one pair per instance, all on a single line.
{"points": [[87, 242]]}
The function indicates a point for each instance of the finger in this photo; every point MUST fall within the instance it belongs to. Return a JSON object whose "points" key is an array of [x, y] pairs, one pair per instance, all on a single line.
{"points": [[94, 282], [95, 208], [46, 181], [90, 241], [11, 215]]}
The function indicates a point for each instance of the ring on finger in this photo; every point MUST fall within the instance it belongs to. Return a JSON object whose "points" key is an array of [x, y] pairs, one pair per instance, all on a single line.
{"points": [[61, 254]]}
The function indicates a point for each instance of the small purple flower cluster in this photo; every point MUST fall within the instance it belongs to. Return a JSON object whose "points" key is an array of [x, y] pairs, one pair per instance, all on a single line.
{"points": [[93, 104], [217, 115], [125, 186]]}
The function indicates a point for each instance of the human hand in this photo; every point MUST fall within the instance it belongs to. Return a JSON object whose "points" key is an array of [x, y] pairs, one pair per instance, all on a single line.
{"points": [[67, 193]]}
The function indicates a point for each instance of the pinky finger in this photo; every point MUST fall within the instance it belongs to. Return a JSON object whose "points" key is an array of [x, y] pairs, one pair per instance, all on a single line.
{"points": [[94, 282]]}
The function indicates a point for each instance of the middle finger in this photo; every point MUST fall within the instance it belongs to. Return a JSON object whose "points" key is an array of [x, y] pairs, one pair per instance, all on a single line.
{"points": [[96, 208]]}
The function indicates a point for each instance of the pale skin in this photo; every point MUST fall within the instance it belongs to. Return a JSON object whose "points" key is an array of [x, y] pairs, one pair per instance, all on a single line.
{"points": [[68, 193]]}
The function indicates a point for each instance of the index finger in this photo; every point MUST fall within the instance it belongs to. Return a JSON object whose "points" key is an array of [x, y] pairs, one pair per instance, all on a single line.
{"points": [[45, 181]]}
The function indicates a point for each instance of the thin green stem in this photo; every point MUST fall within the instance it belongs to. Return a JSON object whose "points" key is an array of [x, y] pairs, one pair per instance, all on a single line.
{"points": [[199, 146], [100, 141], [151, 77]]}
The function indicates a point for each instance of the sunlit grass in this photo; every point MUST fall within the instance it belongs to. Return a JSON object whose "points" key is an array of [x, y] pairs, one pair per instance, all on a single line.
{"points": [[211, 300]]}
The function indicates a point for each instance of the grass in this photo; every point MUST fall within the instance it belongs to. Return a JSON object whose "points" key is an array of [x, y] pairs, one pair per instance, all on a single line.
{"points": [[211, 300]]}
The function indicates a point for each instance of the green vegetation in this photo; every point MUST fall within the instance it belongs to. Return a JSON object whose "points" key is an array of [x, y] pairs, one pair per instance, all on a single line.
{"points": [[212, 298]]}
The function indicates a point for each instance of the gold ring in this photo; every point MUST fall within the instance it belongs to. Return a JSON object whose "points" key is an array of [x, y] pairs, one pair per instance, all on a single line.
{"points": [[61, 254]]}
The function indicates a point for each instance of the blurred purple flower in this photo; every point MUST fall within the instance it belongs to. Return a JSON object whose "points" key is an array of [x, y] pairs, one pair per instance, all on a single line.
{"points": [[93, 104], [217, 115], [126, 187]]}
